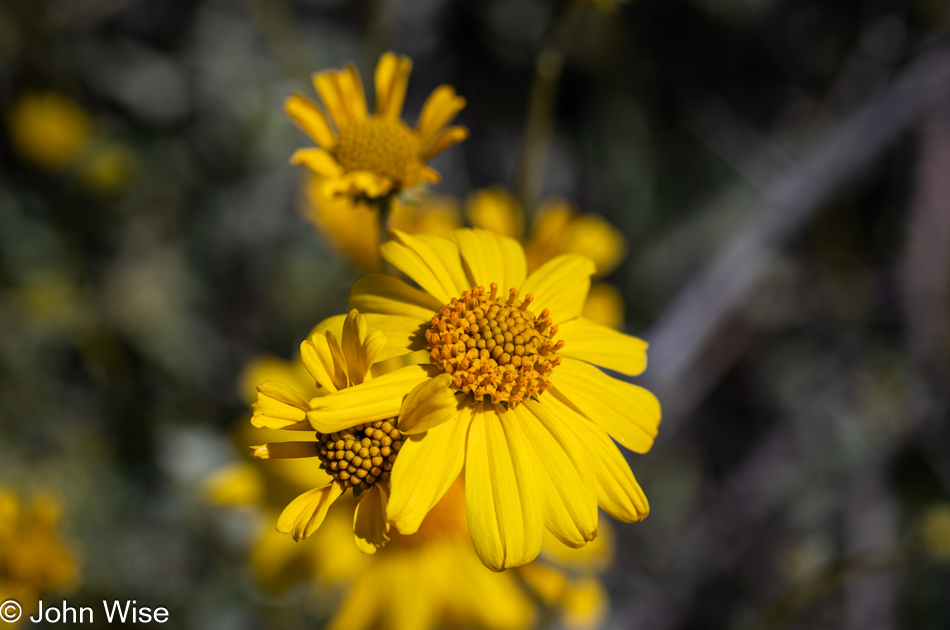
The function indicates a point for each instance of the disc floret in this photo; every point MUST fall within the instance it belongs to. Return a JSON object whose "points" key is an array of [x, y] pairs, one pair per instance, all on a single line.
{"points": [[494, 347], [380, 145], [362, 455]]}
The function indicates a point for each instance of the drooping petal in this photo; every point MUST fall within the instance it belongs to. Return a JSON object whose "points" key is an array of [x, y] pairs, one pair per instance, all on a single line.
{"points": [[561, 285], [495, 210], [437, 112], [603, 346], [618, 492], [308, 116], [568, 490], [629, 413], [278, 406], [502, 498], [379, 293], [428, 405], [433, 262], [402, 334], [392, 79], [285, 450], [305, 514], [370, 527], [318, 161], [451, 137], [377, 399], [491, 258], [354, 332], [324, 364], [427, 466]]}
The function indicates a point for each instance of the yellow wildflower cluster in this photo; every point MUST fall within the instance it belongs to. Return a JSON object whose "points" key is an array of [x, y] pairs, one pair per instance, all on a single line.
{"points": [[34, 559]]}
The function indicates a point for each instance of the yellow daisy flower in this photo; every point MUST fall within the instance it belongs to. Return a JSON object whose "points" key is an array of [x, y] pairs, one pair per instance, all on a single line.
{"points": [[535, 416], [359, 455], [34, 559], [48, 129], [372, 156]]}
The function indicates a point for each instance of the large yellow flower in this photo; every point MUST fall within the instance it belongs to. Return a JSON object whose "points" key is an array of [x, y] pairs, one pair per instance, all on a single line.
{"points": [[535, 416], [371, 156], [359, 455], [34, 560]]}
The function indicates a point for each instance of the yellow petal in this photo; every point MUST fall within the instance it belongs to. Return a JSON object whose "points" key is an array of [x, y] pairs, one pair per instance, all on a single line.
{"points": [[629, 413], [373, 400], [354, 332], [270, 368], [351, 91], [310, 119], [568, 490], [379, 293], [561, 285], [437, 112], [370, 527], [324, 364], [326, 85], [318, 161], [433, 262], [546, 582], [603, 346], [451, 137], [278, 406], [428, 405], [285, 450], [401, 334], [495, 210], [306, 513], [426, 468], [559, 229], [618, 492], [505, 516], [491, 258], [605, 305], [392, 79]]}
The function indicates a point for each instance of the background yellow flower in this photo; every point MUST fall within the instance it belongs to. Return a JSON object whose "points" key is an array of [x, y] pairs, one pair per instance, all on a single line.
{"points": [[48, 129]]}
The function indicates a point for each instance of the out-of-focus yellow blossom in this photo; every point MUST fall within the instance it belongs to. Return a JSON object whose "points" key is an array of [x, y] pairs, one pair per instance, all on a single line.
{"points": [[358, 455], [935, 531], [558, 228], [48, 129], [353, 227], [535, 416], [34, 559], [107, 168], [371, 157]]}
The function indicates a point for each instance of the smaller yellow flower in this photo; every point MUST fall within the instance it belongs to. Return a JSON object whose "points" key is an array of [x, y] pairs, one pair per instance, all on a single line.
{"points": [[372, 156], [358, 455], [34, 559], [48, 129]]}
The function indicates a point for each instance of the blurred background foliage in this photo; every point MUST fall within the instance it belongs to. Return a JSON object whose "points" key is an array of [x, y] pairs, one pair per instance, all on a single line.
{"points": [[153, 242]]}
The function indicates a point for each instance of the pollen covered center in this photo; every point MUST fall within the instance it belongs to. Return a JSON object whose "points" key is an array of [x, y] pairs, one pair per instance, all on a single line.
{"points": [[362, 455], [493, 347], [383, 146]]}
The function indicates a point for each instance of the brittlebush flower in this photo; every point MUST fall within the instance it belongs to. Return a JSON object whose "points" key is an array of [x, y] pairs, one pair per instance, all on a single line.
{"points": [[359, 455], [535, 415], [373, 156], [48, 129], [34, 559]]}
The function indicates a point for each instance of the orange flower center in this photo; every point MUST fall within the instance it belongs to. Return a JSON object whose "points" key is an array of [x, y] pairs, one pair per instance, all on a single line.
{"points": [[380, 145], [494, 347], [362, 455]]}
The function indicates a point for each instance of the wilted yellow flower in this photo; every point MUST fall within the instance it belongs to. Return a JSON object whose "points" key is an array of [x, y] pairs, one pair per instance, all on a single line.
{"points": [[359, 455], [34, 559], [535, 415], [48, 129], [372, 156]]}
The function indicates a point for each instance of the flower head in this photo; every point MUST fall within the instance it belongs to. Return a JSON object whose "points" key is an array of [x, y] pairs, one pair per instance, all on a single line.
{"points": [[535, 416], [48, 129], [359, 455], [372, 156]]}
